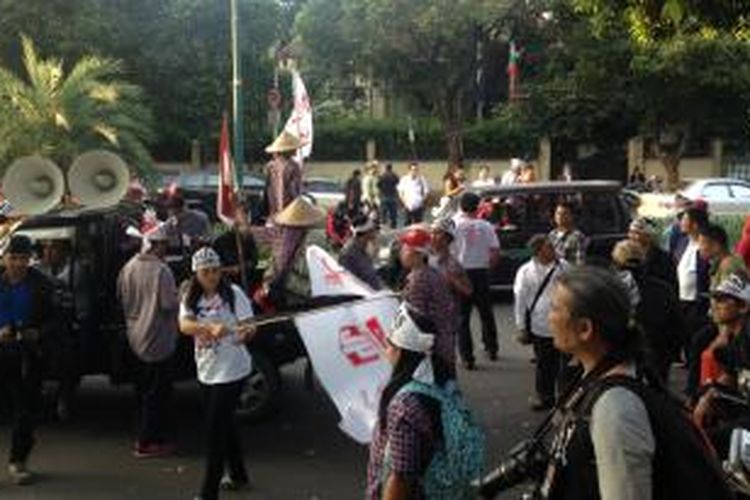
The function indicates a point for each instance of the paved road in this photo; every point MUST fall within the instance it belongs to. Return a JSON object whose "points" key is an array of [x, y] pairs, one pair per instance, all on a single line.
{"points": [[299, 453]]}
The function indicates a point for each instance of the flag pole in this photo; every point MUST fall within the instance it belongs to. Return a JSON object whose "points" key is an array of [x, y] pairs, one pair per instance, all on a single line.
{"points": [[237, 106]]}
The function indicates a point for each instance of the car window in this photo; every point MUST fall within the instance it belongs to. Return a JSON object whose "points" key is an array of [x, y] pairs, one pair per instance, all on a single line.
{"points": [[715, 191], [741, 191], [322, 187], [600, 213]]}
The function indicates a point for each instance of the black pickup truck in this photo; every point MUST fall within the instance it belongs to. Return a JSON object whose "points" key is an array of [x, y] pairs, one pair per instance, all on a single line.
{"points": [[94, 327], [519, 211]]}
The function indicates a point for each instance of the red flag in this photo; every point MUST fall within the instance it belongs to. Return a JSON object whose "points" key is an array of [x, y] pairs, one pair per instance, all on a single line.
{"points": [[225, 201]]}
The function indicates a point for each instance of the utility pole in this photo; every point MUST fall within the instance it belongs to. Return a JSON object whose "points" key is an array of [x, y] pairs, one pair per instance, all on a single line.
{"points": [[237, 105]]}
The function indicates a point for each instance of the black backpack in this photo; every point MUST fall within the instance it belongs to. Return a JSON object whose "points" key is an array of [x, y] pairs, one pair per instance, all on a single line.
{"points": [[684, 464]]}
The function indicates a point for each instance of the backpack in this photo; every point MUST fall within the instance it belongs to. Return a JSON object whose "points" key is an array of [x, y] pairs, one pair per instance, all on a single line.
{"points": [[460, 459], [684, 464]]}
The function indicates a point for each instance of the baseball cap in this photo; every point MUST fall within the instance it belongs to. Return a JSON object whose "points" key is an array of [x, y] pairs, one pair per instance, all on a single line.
{"points": [[416, 237], [736, 286]]}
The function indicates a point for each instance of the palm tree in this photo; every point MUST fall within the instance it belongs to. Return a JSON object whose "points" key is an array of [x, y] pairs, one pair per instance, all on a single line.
{"points": [[60, 116]]}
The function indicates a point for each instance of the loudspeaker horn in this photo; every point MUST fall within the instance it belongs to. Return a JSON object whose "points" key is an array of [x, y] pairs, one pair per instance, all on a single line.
{"points": [[98, 179], [33, 185]]}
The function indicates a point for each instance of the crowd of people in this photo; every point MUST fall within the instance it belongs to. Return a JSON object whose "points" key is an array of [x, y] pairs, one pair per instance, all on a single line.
{"points": [[604, 338]]}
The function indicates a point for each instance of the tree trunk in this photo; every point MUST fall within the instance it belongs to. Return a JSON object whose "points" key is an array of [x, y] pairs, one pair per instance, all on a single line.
{"points": [[451, 117], [671, 164]]}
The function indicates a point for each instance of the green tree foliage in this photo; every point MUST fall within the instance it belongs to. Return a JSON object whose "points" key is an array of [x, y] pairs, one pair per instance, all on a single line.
{"points": [[690, 66], [178, 51], [426, 50], [60, 114]]}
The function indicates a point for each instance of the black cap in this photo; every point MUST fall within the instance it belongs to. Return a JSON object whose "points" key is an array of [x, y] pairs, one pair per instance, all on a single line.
{"points": [[20, 245]]}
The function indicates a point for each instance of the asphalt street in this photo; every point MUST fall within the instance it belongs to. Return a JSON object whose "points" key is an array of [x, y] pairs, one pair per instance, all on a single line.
{"points": [[298, 453]]}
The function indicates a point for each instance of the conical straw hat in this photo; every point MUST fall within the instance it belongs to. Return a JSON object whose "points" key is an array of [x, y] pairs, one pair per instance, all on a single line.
{"points": [[300, 213], [283, 143]]}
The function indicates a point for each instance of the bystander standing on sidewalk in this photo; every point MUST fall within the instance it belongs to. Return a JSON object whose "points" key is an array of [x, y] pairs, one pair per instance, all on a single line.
{"points": [[413, 190], [388, 189]]}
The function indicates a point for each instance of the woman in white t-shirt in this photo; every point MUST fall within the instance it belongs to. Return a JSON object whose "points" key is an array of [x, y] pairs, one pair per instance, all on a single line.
{"points": [[215, 313]]}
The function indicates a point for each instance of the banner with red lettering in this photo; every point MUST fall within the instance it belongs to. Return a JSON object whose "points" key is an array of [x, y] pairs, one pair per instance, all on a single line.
{"points": [[346, 345], [328, 277]]}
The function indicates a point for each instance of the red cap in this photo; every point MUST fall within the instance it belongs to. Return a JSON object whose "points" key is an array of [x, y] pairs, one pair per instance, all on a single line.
{"points": [[416, 237]]}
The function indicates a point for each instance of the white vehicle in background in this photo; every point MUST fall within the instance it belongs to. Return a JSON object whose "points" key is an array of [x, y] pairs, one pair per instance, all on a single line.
{"points": [[326, 192], [722, 195]]}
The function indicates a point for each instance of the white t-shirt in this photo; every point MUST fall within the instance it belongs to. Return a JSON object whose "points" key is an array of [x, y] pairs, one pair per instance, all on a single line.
{"points": [[475, 239], [687, 273], [224, 360], [413, 191]]}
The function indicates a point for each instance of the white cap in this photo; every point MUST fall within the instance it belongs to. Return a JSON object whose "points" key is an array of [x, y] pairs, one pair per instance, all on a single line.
{"points": [[205, 257], [735, 286]]}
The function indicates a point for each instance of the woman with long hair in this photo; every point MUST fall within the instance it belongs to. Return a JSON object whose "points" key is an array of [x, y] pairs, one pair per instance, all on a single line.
{"points": [[216, 313], [408, 432]]}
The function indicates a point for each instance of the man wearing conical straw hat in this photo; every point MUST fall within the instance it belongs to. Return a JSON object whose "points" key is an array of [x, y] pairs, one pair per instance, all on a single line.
{"points": [[287, 279], [283, 174]]}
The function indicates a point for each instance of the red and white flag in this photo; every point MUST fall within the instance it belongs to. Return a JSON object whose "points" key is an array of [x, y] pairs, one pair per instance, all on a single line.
{"points": [[300, 123], [226, 199]]}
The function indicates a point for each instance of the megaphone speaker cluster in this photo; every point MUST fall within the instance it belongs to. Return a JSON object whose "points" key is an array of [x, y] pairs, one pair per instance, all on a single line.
{"points": [[34, 185], [98, 179]]}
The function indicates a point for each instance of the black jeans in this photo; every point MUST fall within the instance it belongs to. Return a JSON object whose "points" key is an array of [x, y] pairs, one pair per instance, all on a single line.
{"points": [[697, 338], [480, 281], [153, 391], [389, 212], [413, 216], [547, 368], [20, 377], [224, 445]]}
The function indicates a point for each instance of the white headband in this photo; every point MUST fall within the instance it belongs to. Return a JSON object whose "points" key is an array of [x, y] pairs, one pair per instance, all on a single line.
{"points": [[405, 334], [205, 257]]}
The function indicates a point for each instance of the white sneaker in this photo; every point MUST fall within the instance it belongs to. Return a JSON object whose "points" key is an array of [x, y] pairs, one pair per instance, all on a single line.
{"points": [[19, 474]]}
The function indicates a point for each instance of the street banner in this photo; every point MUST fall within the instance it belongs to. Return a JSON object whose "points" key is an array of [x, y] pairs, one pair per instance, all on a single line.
{"points": [[346, 344], [225, 200], [300, 123], [328, 277]]}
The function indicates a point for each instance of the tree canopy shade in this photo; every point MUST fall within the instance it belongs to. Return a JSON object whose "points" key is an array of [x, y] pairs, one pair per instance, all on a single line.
{"points": [[60, 114], [177, 51], [650, 21], [670, 70], [425, 49]]}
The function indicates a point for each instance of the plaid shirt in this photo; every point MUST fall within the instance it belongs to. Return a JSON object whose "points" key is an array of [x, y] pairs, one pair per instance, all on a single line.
{"points": [[428, 292], [410, 436], [569, 245]]}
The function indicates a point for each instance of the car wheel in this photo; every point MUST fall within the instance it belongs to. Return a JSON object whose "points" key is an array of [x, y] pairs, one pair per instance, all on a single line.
{"points": [[261, 391]]}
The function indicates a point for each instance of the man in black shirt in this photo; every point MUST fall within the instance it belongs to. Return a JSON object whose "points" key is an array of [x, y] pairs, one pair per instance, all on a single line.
{"points": [[226, 246], [387, 186]]}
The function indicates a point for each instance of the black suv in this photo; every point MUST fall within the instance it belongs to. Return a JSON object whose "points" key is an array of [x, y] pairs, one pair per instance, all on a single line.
{"points": [[519, 211], [94, 328]]}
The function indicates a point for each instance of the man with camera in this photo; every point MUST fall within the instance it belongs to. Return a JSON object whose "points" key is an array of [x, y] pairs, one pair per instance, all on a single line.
{"points": [[27, 316], [616, 435]]}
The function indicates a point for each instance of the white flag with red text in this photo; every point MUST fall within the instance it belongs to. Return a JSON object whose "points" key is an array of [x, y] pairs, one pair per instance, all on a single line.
{"points": [[328, 277], [226, 197], [300, 123], [346, 345]]}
